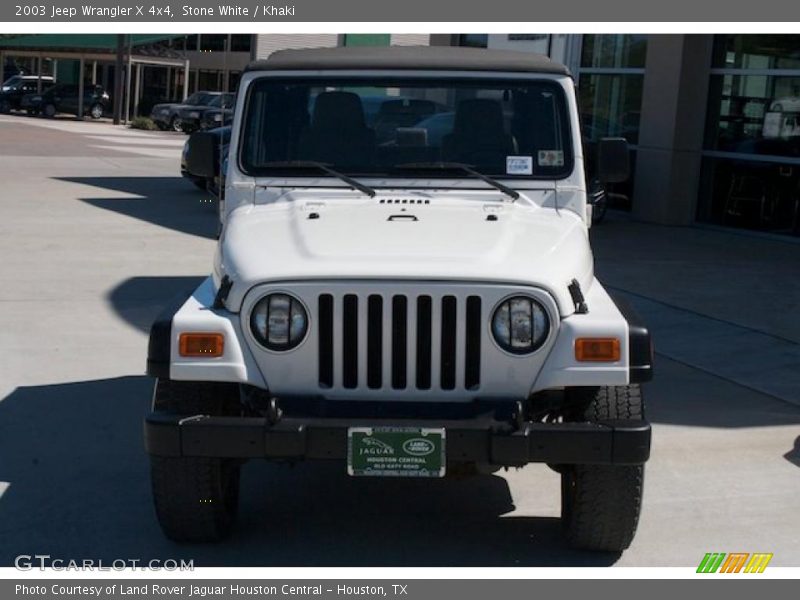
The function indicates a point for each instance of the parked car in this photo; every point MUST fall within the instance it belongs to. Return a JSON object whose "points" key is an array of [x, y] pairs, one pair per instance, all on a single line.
{"points": [[217, 117], [403, 310], [14, 88], [223, 137], [789, 104], [193, 117], [63, 98], [168, 115]]}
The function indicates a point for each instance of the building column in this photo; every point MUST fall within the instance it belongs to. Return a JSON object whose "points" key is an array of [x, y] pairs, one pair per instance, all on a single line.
{"points": [[674, 98], [137, 90], [128, 90], [185, 80], [80, 87]]}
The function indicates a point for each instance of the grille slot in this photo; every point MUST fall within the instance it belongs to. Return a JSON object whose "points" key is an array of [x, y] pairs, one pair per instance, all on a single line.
{"points": [[472, 358], [374, 342], [399, 341], [424, 342], [448, 363], [350, 342], [326, 341]]}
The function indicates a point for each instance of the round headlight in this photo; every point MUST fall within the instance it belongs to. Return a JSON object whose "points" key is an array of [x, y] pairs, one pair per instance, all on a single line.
{"points": [[520, 325], [279, 322]]}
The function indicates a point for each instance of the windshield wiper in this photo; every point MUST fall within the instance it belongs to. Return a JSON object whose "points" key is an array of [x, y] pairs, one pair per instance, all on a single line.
{"points": [[444, 166], [313, 164]]}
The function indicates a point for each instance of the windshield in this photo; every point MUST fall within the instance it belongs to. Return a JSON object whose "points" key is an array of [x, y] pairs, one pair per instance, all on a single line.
{"points": [[515, 129], [12, 82], [222, 101], [199, 99]]}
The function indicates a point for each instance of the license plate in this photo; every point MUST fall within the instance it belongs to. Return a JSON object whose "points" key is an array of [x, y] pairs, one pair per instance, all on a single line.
{"points": [[395, 452]]}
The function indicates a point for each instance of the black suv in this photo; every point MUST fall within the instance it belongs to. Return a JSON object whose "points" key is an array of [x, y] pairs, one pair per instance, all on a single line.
{"points": [[63, 98], [14, 88], [193, 117]]}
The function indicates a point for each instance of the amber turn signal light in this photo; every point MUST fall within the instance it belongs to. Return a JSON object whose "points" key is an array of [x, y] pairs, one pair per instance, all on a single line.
{"points": [[597, 349], [205, 345]]}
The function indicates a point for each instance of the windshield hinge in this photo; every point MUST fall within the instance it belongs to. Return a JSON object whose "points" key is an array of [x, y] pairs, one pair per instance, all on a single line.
{"points": [[577, 297], [222, 293]]}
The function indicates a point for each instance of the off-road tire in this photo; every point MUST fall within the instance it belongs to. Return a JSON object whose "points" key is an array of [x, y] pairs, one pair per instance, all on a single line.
{"points": [[600, 504], [196, 498]]}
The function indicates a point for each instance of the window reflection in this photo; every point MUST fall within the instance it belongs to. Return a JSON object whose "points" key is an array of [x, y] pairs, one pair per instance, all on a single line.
{"points": [[614, 51], [754, 114], [752, 194], [610, 106]]}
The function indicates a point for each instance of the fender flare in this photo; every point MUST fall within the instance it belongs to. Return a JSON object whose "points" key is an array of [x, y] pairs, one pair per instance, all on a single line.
{"points": [[640, 342], [158, 347]]}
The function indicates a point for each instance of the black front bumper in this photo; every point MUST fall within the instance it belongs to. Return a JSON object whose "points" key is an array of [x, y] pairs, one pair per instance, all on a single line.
{"points": [[482, 440]]}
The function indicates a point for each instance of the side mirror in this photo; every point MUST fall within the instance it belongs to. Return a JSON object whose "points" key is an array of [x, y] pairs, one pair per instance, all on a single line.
{"points": [[200, 156], [613, 160]]}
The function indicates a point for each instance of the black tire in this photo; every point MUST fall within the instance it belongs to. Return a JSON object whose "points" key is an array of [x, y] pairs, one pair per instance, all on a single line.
{"points": [[600, 504], [5, 107], [175, 124], [196, 498], [96, 111], [49, 110]]}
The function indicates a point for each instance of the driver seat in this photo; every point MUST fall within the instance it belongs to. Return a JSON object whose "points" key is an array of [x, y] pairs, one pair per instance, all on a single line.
{"points": [[338, 133]]}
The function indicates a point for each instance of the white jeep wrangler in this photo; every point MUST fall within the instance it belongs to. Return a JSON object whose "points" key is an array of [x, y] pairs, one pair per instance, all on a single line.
{"points": [[403, 284]]}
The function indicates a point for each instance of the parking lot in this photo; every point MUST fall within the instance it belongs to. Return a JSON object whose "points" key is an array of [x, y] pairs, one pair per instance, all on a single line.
{"points": [[99, 231]]}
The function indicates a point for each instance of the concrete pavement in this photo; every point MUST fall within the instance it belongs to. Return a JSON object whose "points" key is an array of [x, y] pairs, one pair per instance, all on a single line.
{"points": [[96, 236]]}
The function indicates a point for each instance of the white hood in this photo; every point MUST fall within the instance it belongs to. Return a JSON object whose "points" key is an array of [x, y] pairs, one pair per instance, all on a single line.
{"points": [[430, 237]]}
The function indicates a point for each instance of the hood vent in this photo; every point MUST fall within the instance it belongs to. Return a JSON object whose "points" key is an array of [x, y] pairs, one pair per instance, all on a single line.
{"points": [[413, 201]]}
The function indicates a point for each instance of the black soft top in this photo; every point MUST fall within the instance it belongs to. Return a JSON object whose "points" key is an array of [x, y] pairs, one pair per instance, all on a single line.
{"points": [[444, 58]]}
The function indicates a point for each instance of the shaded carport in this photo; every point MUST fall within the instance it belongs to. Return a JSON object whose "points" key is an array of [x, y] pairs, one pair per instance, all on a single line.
{"points": [[139, 51]]}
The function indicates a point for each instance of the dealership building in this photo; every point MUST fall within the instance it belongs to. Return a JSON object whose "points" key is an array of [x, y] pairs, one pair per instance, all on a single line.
{"points": [[713, 120]]}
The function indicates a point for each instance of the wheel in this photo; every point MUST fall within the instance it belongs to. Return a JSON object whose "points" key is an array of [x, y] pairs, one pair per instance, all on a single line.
{"points": [[5, 106], [49, 110], [777, 107], [176, 124], [600, 504], [96, 111], [196, 498]]}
